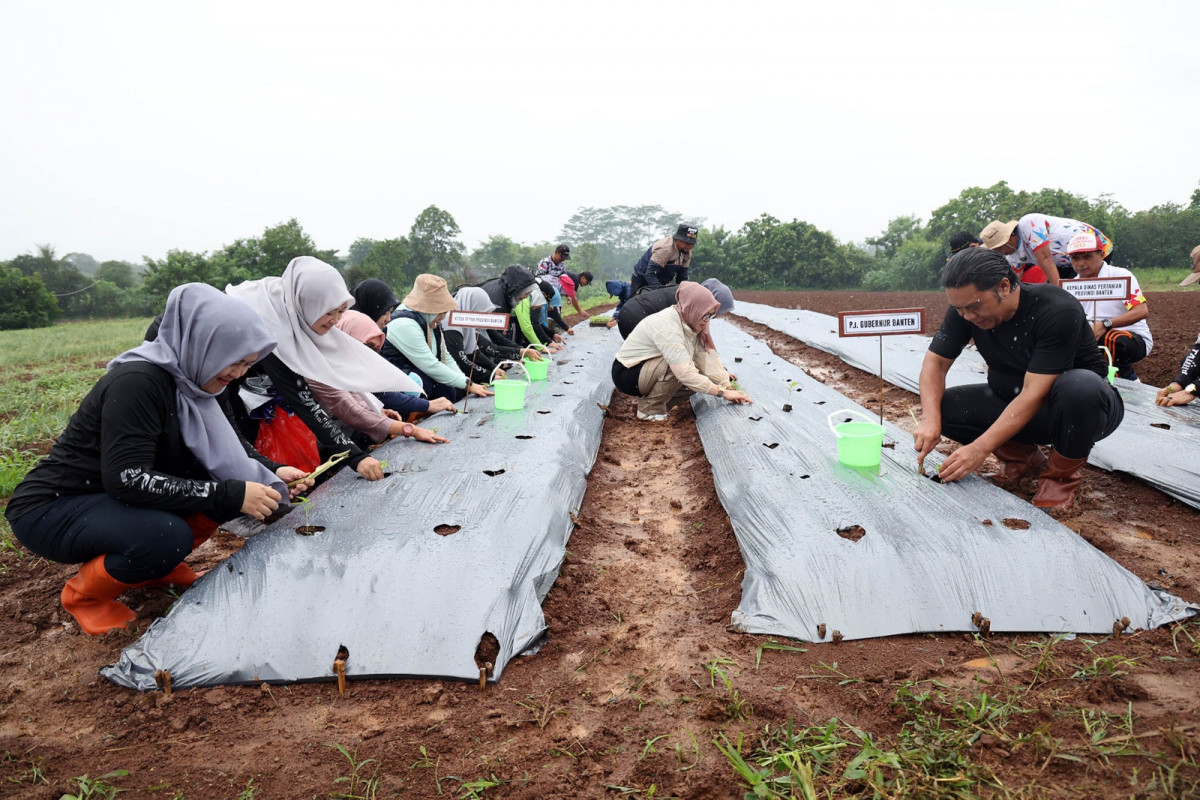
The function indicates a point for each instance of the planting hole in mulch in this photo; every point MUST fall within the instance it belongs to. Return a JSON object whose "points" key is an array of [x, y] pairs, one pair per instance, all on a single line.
{"points": [[890, 445], [309, 530], [524, 436], [771, 446], [852, 532], [557, 395], [755, 419], [1160, 425], [487, 650], [1015, 523], [446, 530], [491, 473], [543, 412]]}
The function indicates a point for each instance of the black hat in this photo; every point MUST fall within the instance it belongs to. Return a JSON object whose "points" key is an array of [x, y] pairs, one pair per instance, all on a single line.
{"points": [[686, 233], [962, 239], [563, 251]]}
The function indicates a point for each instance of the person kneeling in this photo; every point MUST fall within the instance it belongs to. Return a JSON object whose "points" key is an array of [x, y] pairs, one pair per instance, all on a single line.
{"points": [[1045, 381], [671, 355]]}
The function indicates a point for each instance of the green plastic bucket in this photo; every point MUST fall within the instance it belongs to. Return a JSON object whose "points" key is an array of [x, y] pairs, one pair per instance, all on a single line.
{"points": [[859, 443], [510, 394], [537, 370]]}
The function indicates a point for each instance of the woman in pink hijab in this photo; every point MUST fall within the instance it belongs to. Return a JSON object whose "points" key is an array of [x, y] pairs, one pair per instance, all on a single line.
{"points": [[670, 356]]}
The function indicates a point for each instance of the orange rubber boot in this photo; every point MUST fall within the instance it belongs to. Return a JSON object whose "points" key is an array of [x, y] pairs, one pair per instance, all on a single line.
{"points": [[181, 577], [90, 597]]}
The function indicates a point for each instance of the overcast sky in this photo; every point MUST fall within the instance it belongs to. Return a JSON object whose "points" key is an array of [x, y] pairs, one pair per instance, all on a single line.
{"points": [[131, 128]]}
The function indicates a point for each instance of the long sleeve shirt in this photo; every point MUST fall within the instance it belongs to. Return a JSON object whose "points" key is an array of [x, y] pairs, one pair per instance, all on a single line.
{"points": [[664, 334], [407, 337], [125, 440], [352, 409]]}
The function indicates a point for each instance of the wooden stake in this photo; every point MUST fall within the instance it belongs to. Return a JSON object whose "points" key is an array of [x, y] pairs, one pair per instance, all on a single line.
{"points": [[163, 678], [880, 380], [339, 667]]}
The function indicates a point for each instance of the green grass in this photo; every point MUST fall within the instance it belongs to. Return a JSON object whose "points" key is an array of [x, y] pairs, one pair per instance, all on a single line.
{"points": [[1161, 279], [44, 373]]}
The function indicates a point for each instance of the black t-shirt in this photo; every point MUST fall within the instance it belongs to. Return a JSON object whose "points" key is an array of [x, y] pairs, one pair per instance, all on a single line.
{"points": [[125, 440], [642, 305], [1048, 335]]}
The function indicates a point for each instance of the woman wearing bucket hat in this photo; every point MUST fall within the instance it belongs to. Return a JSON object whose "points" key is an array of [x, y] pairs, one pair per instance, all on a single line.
{"points": [[414, 341], [300, 309], [149, 464], [670, 356]]}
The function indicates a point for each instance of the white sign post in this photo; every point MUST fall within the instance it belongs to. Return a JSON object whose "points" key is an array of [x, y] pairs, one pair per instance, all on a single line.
{"points": [[885, 322], [1097, 289], [489, 320]]}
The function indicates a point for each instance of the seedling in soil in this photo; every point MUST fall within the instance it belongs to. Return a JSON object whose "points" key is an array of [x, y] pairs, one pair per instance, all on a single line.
{"points": [[792, 387], [96, 788], [357, 784], [306, 529]]}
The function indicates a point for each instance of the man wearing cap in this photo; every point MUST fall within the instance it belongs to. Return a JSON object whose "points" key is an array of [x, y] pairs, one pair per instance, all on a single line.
{"points": [[1045, 381], [1119, 325], [1036, 245], [665, 260]]}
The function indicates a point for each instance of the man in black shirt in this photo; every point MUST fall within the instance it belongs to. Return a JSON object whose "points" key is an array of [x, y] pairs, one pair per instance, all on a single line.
{"points": [[1045, 385]]}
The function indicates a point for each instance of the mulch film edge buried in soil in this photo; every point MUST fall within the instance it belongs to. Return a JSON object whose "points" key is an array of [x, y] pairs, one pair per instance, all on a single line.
{"points": [[1158, 445], [833, 552], [410, 572]]}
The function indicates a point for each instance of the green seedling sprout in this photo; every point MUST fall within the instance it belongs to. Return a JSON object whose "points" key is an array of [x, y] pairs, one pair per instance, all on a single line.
{"points": [[792, 386], [332, 462]]}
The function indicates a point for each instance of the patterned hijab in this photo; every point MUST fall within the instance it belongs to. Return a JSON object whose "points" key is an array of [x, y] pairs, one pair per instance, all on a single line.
{"points": [[203, 331]]}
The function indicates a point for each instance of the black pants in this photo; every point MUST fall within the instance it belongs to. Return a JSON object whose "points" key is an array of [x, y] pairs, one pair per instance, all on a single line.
{"points": [[1081, 410], [139, 544], [626, 378]]}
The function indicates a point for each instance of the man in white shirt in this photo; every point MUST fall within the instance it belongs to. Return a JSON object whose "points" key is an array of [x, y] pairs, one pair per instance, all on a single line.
{"points": [[1120, 326]]}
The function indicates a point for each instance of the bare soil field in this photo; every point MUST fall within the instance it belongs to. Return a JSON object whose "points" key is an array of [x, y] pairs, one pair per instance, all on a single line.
{"points": [[640, 690]]}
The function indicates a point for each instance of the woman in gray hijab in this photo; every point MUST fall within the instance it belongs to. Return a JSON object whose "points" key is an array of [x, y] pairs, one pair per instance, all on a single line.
{"points": [[149, 464]]}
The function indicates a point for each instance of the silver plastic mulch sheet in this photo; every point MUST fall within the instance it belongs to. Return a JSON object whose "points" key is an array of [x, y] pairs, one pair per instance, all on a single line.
{"points": [[409, 573], [832, 550]]}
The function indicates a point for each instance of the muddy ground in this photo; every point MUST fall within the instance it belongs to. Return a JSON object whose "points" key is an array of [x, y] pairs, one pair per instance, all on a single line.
{"points": [[623, 699]]}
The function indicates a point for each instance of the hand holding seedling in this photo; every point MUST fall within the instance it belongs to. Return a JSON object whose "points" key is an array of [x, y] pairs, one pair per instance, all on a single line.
{"points": [[297, 480], [370, 469], [441, 404], [961, 463], [734, 396], [926, 436], [260, 501], [426, 435], [479, 390]]}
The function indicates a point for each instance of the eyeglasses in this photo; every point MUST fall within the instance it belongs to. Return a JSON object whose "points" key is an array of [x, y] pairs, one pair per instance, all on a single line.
{"points": [[708, 316]]}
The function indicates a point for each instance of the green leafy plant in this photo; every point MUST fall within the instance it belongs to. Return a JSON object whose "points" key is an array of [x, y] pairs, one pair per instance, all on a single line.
{"points": [[358, 785], [96, 788]]}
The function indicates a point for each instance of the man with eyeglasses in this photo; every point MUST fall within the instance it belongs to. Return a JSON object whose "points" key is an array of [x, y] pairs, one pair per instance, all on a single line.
{"points": [[1045, 382], [665, 260]]}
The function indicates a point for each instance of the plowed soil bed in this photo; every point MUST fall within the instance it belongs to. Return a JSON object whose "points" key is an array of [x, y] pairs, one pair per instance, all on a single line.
{"points": [[639, 678]]}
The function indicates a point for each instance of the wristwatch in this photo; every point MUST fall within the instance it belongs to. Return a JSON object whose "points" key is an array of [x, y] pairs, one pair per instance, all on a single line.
{"points": [[1190, 389], [408, 429], [721, 393], [1107, 323]]}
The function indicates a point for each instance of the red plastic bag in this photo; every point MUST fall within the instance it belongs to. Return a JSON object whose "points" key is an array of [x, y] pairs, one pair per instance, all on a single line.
{"points": [[285, 439]]}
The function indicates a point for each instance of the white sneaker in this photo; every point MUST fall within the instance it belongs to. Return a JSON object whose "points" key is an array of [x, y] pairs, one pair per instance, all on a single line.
{"points": [[651, 417]]}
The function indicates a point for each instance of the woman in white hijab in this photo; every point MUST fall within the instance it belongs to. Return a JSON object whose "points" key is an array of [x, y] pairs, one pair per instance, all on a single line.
{"points": [[300, 310], [149, 464]]}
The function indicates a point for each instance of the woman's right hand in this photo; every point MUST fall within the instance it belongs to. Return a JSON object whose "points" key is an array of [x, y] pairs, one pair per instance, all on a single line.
{"points": [[478, 390], [531, 354], [734, 396], [440, 404], [370, 468], [260, 500]]}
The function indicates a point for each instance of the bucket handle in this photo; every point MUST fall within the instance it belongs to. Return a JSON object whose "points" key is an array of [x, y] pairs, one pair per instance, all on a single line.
{"points": [[849, 411], [507, 363]]}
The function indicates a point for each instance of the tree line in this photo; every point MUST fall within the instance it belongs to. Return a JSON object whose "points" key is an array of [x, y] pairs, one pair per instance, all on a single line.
{"points": [[764, 253]]}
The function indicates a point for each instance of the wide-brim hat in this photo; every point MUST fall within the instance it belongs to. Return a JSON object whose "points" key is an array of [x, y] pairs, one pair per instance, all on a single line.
{"points": [[1195, 276], [429, 295], [997, 233]]}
